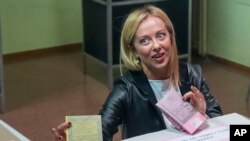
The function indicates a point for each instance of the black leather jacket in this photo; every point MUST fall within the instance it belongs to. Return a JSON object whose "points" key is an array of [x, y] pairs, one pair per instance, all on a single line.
{"points": [[131, 103]]}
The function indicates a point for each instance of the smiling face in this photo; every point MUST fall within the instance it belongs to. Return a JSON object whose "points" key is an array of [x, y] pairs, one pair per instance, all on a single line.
{"points": [[152, 45]]}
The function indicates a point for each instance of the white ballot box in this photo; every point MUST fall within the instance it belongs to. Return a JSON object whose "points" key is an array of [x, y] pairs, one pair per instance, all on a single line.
{"points": [[216, 129], [7, 133]]}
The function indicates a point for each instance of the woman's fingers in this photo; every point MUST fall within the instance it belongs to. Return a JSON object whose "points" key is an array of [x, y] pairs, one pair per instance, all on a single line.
{"points": [[196, 99], [56, 135], [194, 89], [62, 127], [188, 95], [198, 96], [199, 100], [59, 132]]}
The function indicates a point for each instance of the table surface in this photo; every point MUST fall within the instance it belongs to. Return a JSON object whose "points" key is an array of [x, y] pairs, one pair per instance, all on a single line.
{"points": [[211, 129], [7, 133]]}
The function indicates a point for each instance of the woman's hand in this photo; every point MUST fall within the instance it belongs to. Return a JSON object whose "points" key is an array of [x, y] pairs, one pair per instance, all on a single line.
{"points": [[59, 132], [196, 99]]}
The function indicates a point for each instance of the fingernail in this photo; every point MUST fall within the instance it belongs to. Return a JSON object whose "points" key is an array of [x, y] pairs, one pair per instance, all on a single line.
{"points": [[53, 130]]}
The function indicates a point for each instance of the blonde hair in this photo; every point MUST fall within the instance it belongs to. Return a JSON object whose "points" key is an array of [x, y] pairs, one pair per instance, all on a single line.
{"points": [[127, 54]]}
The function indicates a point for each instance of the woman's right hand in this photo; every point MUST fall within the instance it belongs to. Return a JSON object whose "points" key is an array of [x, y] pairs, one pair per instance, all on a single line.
{"points": [[59, 132]]}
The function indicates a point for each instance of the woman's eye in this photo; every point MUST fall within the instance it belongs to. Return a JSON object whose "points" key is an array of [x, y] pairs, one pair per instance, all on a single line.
{"points": [[144, 41], [161, 36]]}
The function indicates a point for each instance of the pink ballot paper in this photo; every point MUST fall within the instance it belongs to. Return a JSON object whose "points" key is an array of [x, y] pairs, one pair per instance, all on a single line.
{"points": [[181, 113]]}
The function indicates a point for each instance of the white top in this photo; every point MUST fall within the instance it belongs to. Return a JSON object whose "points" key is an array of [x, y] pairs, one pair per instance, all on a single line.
{"points": [[161, 88]]}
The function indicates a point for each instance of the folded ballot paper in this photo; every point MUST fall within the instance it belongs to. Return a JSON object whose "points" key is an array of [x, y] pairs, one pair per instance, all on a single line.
{"points": [[84, 128], [181, 113]]}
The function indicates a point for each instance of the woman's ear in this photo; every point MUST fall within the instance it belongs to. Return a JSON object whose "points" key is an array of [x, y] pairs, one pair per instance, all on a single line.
{"points": [[132, 48], [133, 51]]}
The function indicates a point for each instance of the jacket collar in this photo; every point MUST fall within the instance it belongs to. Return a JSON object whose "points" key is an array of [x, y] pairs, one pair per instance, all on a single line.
{"points": [[141, 81], [184, 78]]}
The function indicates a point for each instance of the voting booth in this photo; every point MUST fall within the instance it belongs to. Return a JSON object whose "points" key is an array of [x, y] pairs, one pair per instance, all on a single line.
{"points": [[2, 96], [102, 23]]}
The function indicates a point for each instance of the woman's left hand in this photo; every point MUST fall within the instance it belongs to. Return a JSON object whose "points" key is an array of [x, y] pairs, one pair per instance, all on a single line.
{"points": [[196, 99]]}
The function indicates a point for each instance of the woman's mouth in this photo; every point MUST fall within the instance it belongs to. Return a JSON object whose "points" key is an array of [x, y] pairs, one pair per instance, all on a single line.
{"points": [[158, 56]]}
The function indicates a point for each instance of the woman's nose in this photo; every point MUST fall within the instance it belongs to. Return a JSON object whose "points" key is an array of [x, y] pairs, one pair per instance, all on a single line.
{"points": [[156, 44]]}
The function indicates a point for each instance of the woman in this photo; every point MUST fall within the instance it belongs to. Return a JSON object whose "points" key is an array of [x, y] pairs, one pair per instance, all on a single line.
{"points": [[149, 52]]}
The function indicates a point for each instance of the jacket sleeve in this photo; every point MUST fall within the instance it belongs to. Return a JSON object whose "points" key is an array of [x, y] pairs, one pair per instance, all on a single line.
{"points": [[196, 78], [113, 111]]}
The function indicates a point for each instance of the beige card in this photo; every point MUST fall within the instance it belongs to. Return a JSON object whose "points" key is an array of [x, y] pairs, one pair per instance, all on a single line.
{"points": [[84, 128]]}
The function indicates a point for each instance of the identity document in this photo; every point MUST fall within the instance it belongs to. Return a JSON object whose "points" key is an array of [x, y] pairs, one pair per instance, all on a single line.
{"points": [[181, 113], [84, 128]]}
